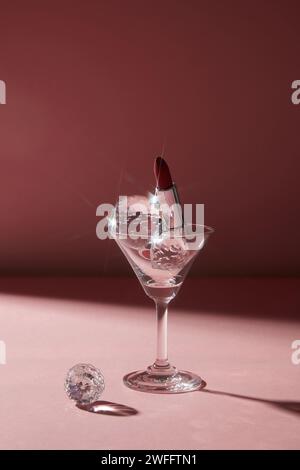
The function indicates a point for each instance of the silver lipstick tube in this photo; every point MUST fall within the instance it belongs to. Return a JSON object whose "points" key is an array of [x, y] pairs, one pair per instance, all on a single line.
{"points": [[170, 206]]}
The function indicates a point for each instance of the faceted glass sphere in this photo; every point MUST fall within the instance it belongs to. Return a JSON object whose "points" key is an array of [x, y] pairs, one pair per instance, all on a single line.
{"points": [[84, 383]]}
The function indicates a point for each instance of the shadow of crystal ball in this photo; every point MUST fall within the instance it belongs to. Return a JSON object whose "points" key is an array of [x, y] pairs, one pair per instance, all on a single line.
{"points": [[84, 384]]}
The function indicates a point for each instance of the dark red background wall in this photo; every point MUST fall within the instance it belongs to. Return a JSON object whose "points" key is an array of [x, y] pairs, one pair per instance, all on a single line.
{"points": [[95, 89]]}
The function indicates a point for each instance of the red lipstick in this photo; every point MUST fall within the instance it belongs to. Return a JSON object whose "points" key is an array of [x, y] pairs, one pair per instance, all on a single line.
{"points": [[162, 173], [166, 192]]}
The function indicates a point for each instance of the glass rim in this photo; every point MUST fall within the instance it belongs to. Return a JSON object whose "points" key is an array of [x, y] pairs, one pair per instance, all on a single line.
{"points": [[206, 228]]}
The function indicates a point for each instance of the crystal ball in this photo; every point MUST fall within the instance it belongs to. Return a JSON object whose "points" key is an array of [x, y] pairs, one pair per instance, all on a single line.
{"points": [[84, 383]]}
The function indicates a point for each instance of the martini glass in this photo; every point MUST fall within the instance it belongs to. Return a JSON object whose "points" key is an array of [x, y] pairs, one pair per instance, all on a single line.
{"points": [[161, 258]]}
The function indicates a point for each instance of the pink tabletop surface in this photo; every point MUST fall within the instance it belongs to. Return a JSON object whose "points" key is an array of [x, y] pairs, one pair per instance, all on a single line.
{"points": [[237, 334]]}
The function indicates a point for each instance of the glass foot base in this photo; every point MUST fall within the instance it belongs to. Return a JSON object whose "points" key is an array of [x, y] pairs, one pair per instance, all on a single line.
{"points": [[172, 381]]}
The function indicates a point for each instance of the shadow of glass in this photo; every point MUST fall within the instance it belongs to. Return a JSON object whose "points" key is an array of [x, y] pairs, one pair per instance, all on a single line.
{"points": [[108, 408], [285, 405]]}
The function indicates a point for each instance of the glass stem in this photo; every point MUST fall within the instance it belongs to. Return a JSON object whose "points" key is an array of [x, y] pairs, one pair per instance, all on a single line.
{"points": [[162, 335]]}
